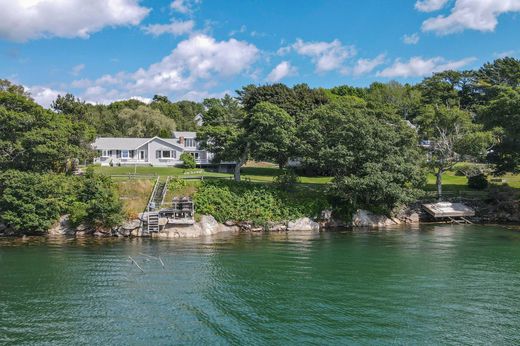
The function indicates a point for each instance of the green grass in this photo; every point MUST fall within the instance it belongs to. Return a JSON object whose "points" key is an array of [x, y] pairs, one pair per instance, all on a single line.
{"points": [[256, 174], [450, 183]]}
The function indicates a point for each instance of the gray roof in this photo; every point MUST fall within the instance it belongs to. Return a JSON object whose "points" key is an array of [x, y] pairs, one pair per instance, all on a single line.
{"points": [[127, 143], [185, 134]]}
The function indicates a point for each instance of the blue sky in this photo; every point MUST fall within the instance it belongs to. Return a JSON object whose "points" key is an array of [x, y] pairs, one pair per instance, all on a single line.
{"points": [[105, 50]]}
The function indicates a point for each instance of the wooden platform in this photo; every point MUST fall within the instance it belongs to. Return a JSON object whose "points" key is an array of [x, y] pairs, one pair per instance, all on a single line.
{"points": [[448, 210]]}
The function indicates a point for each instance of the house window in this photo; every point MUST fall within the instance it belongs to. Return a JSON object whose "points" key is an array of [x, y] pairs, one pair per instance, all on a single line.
{"points": [[190, 142], [118, 154], [110, 153], [125, 154], [195, 155], [104, 153], [166, 154]]}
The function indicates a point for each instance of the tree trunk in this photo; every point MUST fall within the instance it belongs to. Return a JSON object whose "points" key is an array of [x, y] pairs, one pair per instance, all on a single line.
{"points": [[439, 184], [240, 163]]}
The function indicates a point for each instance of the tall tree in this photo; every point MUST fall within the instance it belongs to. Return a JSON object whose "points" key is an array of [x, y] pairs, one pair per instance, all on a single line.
{"points": [[503, 113], [145, 122], [271, 132], [373, 155], [453, 136], [223, 134]]}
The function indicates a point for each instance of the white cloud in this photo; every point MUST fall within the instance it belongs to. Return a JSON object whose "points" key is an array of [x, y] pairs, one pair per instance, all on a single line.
{"points": [[184, 6], [242, 29], [22, 20], [281, 71], [411, 39], [419, 67], [194, 62], [364, 66], [326, 56], [76, 70], [198, 96], [175, 28], [44, 96], [481, 15], [430, 5]]}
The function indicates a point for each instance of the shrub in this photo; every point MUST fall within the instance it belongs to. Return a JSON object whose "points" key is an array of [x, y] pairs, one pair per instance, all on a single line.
{"points": [[287, 179], [32, 202], [258, 203], [103, 207], [478, 182], [188, 161], [504, 199]]}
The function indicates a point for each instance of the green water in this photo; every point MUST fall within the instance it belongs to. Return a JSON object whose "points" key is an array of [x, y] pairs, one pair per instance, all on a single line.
{"points": [[433, 285]]}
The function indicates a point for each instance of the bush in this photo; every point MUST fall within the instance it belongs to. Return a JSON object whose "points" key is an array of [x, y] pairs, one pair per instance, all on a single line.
{"points": [[33, 202], [287, 179], [478, 182], [103, 207], [188, 161], [258, 203], [504, 199]]}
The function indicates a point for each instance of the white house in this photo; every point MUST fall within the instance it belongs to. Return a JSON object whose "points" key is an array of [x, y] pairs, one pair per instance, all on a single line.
{"points": [[149, 151]]}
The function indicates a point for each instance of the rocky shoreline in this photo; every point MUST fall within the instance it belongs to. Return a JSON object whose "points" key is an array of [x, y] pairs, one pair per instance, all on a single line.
{"points": [[207, 225]]}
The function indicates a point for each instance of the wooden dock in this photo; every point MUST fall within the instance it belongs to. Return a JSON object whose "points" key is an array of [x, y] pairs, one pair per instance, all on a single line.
{"points": [[454, 212]]}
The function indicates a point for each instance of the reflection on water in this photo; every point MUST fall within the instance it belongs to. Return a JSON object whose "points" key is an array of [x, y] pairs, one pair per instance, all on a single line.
{"points": [[436, 284]]}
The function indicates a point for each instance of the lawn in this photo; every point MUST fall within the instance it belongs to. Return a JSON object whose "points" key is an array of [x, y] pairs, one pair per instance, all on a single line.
{"points": [[265, 173]]}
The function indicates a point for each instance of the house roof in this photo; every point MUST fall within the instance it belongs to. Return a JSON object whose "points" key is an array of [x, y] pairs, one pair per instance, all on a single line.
{"points": [[128, 143], [119, 143], [185, 134]]}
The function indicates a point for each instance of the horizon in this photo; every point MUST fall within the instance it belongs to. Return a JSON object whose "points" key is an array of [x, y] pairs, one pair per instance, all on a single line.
{"points": [[106, 51]]}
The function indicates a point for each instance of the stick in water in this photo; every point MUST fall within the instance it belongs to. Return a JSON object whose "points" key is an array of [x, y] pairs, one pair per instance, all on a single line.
{"points": [[138, 266], [162, 263]]}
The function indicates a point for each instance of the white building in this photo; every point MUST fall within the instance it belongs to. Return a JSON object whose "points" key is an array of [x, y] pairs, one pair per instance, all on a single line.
{"points": [[149, 151]]}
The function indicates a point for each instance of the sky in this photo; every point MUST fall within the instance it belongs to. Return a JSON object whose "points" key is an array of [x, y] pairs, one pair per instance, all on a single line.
{"points": [[108, 50]]}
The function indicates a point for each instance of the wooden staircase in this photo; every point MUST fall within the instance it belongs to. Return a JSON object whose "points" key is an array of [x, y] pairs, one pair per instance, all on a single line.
{"points": [[153, 222], [154, 205]]}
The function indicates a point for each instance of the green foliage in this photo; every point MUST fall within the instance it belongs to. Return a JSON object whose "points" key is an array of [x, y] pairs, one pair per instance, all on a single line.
{"points": [[271, 132], [258, 203], [478, 182], [32, 202], [503, 113], [33, 138], [145, 122], [183, 113], [286, 179], [188, 161], [372, 154], [102, 205]]}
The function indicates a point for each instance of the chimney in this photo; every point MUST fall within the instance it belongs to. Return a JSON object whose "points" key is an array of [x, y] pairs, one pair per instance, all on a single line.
{"points": [[181, 140]]}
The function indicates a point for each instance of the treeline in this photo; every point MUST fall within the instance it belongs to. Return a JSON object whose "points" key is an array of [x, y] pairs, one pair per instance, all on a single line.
{"points": [[366, 138], [132, 118]]}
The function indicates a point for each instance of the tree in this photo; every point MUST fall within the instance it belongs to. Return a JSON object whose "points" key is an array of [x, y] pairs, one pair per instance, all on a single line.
{"points": [[184, 113], [453, 136], [503, 113], [222, 132], [7, 86], [271, 133], [145, 122], [33, 138], [373, 155], [296, 101], [102, 206], [31, 202]]}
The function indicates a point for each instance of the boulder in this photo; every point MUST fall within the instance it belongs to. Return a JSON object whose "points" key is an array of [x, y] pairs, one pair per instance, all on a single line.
{"points": [[230, 223], [208, 225], [276, 227], [131, 224], [62, 227], [3, 226], [365, 218], [303, 224]]}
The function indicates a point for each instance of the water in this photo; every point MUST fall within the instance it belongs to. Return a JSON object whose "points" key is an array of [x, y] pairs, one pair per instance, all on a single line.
{"points": [[435, 285]]}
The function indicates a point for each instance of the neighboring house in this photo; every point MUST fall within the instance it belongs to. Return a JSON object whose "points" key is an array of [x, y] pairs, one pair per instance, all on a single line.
{"points": [[149, 151]]}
